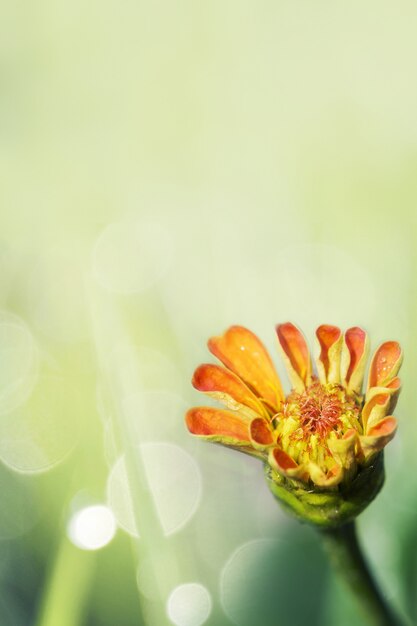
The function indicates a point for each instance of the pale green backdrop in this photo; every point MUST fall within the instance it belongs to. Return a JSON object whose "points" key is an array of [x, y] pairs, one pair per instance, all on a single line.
{"points": [[168, 169]]}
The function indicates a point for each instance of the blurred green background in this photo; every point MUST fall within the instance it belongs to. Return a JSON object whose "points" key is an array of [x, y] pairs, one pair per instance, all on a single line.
{"points": [[169, 169]]}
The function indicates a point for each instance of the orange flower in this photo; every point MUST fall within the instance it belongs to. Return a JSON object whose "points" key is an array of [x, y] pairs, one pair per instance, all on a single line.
{"points": [[325, 432]]}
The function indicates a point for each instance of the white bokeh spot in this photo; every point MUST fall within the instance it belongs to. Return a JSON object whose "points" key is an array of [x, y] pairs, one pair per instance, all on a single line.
{"points": [[189, 604], [92, 527]]}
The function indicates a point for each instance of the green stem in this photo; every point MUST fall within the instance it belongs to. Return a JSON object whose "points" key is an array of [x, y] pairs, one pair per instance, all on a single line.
{"points": [[344, 551]]}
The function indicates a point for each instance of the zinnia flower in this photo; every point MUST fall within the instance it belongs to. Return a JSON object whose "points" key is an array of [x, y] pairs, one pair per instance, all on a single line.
{"points": [[322, 442]]}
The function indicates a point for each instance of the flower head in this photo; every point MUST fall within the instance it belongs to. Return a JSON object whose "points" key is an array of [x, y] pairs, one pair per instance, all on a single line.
{"points": [[322, 442]]}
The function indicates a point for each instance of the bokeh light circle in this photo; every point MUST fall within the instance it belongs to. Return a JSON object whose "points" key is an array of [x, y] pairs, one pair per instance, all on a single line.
{"points": [[240, 573], [189, 604], [41, 433], [174, 480], [263, 576], [92, 527]]}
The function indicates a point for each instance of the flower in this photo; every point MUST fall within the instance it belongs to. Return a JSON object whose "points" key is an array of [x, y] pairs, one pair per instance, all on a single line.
{"points": [[322, 443]]}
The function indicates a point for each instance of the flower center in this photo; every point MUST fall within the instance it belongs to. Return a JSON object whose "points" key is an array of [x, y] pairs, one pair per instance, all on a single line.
{"points": [[320, 408], [319, 412]]}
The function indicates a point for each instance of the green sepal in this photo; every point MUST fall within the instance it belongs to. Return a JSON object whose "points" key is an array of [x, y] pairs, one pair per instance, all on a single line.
{"points": [[325, 508]]}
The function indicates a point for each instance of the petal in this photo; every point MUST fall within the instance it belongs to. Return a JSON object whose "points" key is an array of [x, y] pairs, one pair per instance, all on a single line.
{"points": [[378, 436], [242, 352], [344, 452], [385, 364], [218, 425], [343, 449], [384, 428], [375, 409], [392, 388], [295, 354], [285, 465], [260, 433], [394, 384], [225, 386], [328, 362], [355, 350], [327, 480]]}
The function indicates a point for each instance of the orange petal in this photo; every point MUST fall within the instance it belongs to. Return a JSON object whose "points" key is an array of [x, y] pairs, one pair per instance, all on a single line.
{"points": [[217, 425], [392, 388], [295, 354], [394, 384], [378, 436], [355, 351], [328, 362], [383, 428], [242, 352], [225, 386], [385, 364], [375, 409], [285, 465], [260, 433]]}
